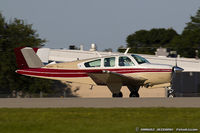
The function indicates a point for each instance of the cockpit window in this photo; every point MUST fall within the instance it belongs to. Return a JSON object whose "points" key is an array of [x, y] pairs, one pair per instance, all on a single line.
{"points": [[125, 61], [139, 59], [94, 63], [109, 62]]}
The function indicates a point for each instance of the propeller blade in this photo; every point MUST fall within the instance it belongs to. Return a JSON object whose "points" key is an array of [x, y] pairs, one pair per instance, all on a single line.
{"points": [[176, 62]]}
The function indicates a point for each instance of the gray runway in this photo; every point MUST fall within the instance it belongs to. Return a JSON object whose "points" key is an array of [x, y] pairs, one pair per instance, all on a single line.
{"points": [[98, 102]]}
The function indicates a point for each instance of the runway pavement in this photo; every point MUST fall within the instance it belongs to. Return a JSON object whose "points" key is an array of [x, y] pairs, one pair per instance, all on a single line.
{"points": [[98, 102]]}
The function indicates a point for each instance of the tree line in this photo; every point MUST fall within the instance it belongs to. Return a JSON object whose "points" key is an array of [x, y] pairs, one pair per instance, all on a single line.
{"points": [[16, 33], [187, 44], [13, 34]]}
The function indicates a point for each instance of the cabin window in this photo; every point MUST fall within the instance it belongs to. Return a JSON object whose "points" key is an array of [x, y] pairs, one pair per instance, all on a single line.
{"points": [[109, 62], [139, 59], [125, 61], [94, 63]]}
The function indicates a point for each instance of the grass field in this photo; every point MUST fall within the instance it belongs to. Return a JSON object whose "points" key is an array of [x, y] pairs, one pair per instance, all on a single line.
{"points": [[117, 120]]}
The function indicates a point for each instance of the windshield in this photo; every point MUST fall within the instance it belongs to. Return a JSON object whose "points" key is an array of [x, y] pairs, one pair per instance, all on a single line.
{"points": [[139, 59]]}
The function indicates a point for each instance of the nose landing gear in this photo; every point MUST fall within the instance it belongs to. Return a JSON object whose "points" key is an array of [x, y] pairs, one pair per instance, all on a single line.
{"points": [[170, 92]]}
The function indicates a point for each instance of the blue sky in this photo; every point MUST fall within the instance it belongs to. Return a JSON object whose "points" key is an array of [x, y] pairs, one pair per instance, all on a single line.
{"points": [[104, 22]]}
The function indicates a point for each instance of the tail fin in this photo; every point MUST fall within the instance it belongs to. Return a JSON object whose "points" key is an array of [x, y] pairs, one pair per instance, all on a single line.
{"points": [[27, 58]]}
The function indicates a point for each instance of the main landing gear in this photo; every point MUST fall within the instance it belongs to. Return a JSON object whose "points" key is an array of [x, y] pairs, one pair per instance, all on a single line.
{"points": [[134, 91], [115, 89], [134, 94], [117, 94]]}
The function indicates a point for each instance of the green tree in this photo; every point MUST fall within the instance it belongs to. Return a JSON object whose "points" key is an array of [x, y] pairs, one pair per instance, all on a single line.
{"points": [[16, 33], [108, 50], [186, 43], [144, 41], [194, 24], [189, 41]]}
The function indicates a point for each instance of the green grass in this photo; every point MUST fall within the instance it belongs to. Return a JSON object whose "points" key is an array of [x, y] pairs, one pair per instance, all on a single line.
{"points": [[116, 120]]}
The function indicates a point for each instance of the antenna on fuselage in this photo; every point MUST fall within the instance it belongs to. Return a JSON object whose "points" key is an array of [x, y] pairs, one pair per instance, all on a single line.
{"points": [[126, 51]]}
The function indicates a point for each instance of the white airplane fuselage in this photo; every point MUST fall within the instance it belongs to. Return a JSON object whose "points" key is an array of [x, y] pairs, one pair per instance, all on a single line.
{"points": [[114, 71], [76, 71]]}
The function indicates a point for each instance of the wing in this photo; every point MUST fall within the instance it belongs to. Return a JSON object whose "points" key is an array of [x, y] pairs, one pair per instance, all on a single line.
{"points": [[107, 77]]}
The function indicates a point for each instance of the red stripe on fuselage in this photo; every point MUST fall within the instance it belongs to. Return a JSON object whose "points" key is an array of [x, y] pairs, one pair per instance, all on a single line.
{"points": [[67, 73]]}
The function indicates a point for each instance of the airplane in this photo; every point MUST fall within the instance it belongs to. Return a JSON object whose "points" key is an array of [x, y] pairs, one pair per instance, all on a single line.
{"points": [[113, 71]]}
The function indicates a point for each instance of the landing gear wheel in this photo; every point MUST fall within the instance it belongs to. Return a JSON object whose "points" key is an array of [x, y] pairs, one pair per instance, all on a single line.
{"points": [[171, 93], [134, 90], [134, 94], [117, 94]]}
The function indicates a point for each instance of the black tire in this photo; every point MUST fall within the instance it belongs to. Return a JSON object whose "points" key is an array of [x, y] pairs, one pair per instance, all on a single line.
{"points": [[134, 94], [133, 88], [171, 95], [117, 94]]}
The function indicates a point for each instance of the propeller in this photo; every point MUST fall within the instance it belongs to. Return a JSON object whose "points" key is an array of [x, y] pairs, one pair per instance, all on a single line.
{"points": [[176, 61], [175, 69]]}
